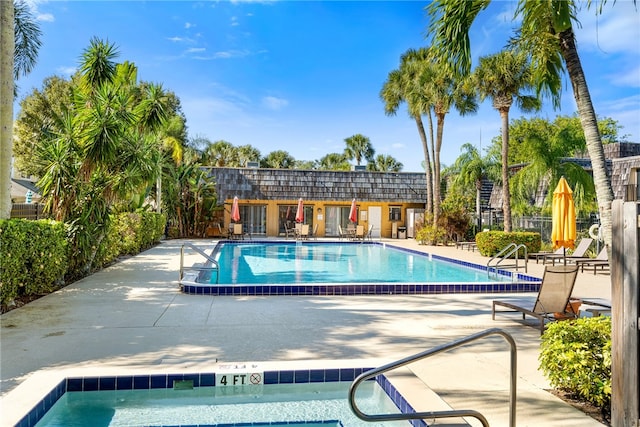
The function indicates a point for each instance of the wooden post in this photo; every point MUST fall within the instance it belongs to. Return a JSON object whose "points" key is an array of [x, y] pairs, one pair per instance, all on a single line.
{"points": [[625, 275]]}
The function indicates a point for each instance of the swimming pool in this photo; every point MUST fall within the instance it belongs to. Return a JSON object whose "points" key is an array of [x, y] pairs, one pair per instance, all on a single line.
{"points": [[332, 268], [311, 397]]}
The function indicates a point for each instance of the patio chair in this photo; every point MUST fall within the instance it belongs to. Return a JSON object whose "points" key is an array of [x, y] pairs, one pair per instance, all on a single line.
{"points": [[369, 231], [359, 234], [314, 233], [540, 255], [579, 252], [288, 231], [341, 232], [224, 234], [237, 232], [552, 301], [303, 233], [601, 260]]}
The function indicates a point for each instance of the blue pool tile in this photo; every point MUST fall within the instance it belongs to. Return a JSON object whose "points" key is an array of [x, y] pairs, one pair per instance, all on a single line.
{"points": [[141, 382], [107, 383], [332, 375], [158, 381], [347, 375], [317, 376], [271, 377], [301, 376], [207, 380], [74, 384], [286, 377], [90, 384], [124, 383]]}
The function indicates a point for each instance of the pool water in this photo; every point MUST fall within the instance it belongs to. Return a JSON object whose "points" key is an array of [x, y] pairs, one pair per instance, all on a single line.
{"points": [[315, 404], [277, 263]]}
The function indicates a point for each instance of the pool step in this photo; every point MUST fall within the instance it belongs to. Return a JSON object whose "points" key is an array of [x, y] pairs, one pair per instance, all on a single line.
{"points": [[422, 398]]}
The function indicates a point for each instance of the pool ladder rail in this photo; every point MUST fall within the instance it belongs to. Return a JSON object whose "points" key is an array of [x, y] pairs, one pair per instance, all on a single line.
{"points": [[509, 251], [439, 414], [211, 265]]}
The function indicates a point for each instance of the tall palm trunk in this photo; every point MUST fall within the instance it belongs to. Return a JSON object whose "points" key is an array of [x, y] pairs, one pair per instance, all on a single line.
{"points": [[588, 119], [479, 204], [427, 161], [506, 192], [436, 168], [7, 44]]}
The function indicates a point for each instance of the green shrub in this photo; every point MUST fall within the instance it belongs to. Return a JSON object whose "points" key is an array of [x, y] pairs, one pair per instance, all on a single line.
{"points": [[491, 242], [34, 257], [429, 235], [576, 357], [130, 233]]}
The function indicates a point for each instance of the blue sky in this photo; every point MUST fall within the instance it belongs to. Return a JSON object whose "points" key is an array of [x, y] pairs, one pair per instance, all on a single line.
{"points": [[302, 76]]}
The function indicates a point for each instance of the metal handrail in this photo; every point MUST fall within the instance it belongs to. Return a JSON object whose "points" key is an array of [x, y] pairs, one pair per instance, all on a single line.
{"points": [[506, 253], [439, 414], [216, 266]]}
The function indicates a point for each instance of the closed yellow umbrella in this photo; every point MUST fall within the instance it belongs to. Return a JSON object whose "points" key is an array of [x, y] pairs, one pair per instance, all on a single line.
{"points": [[563, 216]]}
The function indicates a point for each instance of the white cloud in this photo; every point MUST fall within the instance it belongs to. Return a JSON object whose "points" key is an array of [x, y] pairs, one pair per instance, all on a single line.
{"points": [[188, 25], [234, 21], [66, 71], [195, 50], [274, 103], [45, 17], [39, 16], [398, 145], [616, 30]]}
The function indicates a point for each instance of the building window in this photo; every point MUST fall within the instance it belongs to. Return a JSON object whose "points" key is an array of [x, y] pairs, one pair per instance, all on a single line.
{"points": [[394, 213]]}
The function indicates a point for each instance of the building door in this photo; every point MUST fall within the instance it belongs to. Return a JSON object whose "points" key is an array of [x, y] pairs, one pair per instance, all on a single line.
{"points": [[254, 219], [336, 216], [375, 219]]}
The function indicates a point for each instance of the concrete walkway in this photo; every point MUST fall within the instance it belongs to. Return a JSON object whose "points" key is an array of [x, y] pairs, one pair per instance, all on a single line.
{"points": [[131, 317]]}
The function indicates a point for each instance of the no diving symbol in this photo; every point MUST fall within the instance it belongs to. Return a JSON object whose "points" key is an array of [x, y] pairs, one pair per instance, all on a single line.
{"points": [[255, 379]]}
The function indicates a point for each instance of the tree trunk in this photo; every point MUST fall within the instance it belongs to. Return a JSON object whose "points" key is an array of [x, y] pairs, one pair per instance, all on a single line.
{"points": [[7, 46], [589, 121], [436, 168], [479, 204], [506, 193], [433, 151], [427, 162]]}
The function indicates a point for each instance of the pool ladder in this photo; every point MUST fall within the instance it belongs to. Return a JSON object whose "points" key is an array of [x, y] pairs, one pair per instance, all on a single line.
{"points": [[439, 414], [511, 250], [212, 266]]}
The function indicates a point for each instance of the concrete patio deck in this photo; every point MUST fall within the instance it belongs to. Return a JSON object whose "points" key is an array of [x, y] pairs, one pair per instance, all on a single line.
{"points": [[131, 317]]}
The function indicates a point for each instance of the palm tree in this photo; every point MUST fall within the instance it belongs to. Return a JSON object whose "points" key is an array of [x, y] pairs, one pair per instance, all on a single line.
{"points": [[404, 84], [220, 153], [443, 91], [359, 147], [548, 147], [471, 169], [502, 78], [247, 153], [334, 162], [19, 45], [385, 163], [279, 159], [546, 31]]}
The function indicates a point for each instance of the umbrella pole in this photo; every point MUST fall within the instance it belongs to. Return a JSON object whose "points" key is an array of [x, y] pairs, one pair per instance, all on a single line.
{"points": [[564, 252]]}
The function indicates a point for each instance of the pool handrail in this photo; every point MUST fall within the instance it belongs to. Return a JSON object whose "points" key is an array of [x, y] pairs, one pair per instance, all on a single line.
{"points": [[439, 414], [216, 266], [512, 249]]}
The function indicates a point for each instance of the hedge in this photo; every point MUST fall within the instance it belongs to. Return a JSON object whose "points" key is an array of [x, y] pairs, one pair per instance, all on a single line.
{"points": [[576, 357], [34, 257], [491, 242]]}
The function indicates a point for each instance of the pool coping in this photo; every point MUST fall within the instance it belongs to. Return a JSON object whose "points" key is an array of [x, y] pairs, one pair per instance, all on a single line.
{"points": [[137, 381], [519, 282]]}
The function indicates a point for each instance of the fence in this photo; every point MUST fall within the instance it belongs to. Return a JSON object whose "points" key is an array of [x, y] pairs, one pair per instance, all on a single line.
{"points": [[28, 211]]}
